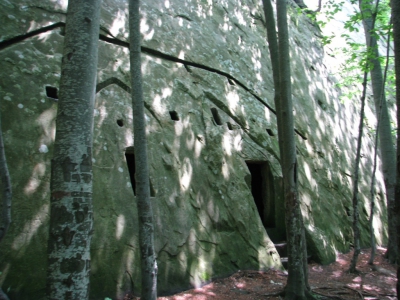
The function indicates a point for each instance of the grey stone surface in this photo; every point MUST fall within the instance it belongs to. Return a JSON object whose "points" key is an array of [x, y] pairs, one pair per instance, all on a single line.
{"points": [[207, 223]]}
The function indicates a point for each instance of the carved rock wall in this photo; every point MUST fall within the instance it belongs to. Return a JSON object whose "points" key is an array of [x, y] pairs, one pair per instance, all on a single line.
{"points": [[211, 131]]}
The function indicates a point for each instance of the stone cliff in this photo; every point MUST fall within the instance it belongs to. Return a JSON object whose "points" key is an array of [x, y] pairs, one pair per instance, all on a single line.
{"points": [[215, 175]]}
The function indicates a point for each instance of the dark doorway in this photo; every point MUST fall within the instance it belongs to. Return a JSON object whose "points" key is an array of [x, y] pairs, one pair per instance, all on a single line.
{"points": [[262, 189], [130, 160]]}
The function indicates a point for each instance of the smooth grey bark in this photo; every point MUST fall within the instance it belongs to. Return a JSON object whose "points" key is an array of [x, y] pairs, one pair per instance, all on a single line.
{"points": [[372, 191], [372, 202], [6, 191], [396, 40], [272, 38], [388, 155], [356, 214], [71, 211], [145, 213], [297, 284]]}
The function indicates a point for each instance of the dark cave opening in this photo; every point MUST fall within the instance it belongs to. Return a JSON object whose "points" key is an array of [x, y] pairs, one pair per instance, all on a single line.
{"points": [[130, 160], [174, 115], [52, 92], [120, 122], [262, 191]]}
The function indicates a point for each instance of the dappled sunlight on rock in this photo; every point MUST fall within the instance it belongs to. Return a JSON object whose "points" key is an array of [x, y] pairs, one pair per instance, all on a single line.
{"points": [[61, 4], [225, 169], [120, 226], [36, 179], [214, 164], [23, 239], [119, 23], [233, 100], [178, 132], [147, 31], [227, 144], [129, 137], [47, 120], [186, 174], [198, 146]]}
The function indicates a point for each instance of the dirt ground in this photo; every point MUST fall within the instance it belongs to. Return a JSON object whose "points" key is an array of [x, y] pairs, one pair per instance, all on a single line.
{"points": [[329, 282]]}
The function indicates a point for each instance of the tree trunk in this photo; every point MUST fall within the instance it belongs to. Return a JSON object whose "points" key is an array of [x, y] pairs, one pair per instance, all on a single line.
{"points": [[372, 203], [356, 214], [295, 288], [146, 226], [6, 195], [319, 6], [372, 192], [5, 190], [71, 212], [388, 155], [297, 285], [273, 47], [396, 39]]}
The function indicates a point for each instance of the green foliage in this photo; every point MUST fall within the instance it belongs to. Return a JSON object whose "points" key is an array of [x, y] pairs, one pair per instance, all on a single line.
{"points": [[326, 40], [357, 56], [332, 7]]}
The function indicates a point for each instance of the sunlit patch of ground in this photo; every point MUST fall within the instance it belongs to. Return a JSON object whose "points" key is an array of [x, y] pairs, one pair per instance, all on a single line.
{"points": [[332, 281]]}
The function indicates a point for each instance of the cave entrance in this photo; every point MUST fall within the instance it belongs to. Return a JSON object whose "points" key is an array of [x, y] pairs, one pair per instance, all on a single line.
{"points": [[130, 161], [261, 190], [269, 207]]}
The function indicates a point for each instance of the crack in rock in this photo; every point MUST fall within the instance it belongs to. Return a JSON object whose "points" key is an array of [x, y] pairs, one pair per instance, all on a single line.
{"points": [[149, 51]]}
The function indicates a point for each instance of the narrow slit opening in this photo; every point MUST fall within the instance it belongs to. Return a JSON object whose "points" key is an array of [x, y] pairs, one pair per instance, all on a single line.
{"points": [[216, 116], [270, 132], [303, 136]]}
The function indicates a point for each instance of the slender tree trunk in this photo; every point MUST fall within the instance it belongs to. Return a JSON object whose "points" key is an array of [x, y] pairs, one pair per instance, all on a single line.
{"points": [[319, 6], [5, 190], [272, 37], [71, 212], [146, 225], [372, 203], [388, 155], [356, 216], [6, 195], [297, 285], [396, 39], [372, 192]]}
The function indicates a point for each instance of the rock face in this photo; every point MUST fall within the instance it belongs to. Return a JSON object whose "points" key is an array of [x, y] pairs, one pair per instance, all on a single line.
{"points": [[215, 175]]}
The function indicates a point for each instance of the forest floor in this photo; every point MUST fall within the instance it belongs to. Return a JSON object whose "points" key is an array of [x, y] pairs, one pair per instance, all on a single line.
{"points": [[332, 281]]}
